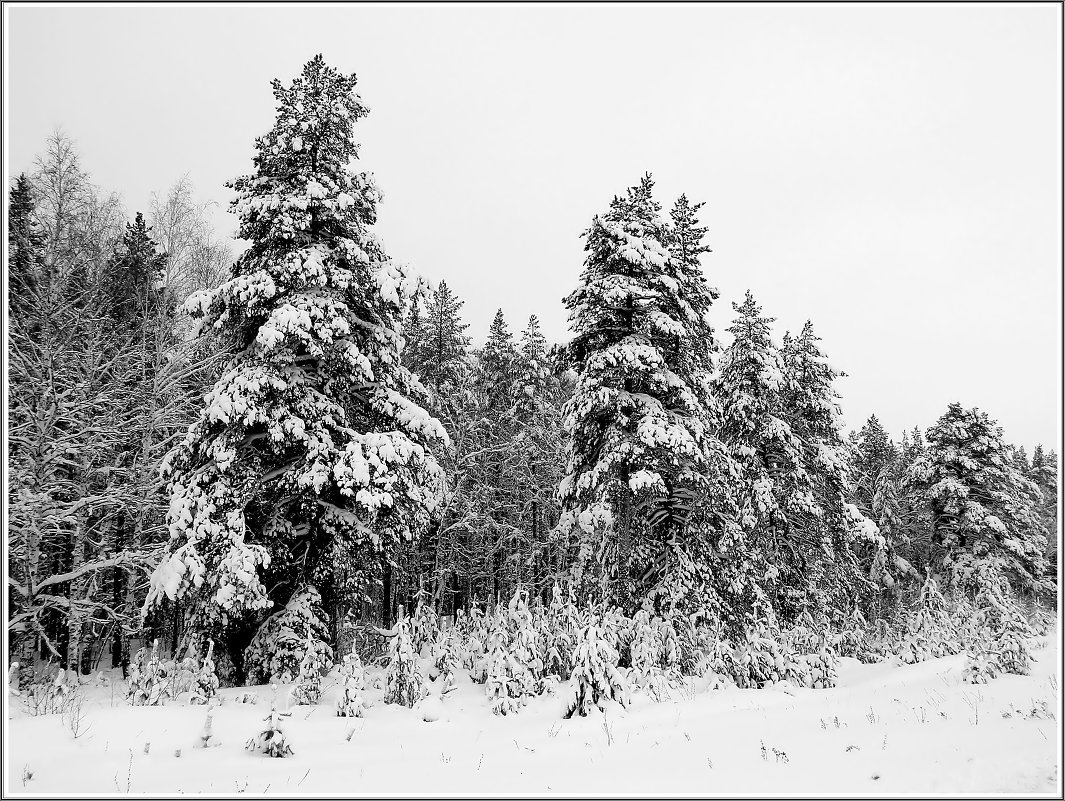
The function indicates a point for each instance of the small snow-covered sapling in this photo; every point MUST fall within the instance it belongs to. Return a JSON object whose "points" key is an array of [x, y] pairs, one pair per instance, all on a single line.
{"points": [[352, 700], [271, 740], [406, 685], [205, 682], [308, 689], [12, 679], [207, 738]]}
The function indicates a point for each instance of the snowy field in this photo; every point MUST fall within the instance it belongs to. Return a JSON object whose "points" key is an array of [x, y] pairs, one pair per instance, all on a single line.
{"points": [[886, 729]]}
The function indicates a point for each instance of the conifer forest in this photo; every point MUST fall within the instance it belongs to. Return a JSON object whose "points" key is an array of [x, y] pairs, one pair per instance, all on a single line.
{"points": [[252, 479]]}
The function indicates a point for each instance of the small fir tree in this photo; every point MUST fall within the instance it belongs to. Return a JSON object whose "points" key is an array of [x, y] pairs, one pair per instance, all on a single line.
{"points": [[501, 687], [406, 685], [280, 642], [205, 682], [272, 740], [595, 677], [352, 701], [207, 738], [308, 689]]}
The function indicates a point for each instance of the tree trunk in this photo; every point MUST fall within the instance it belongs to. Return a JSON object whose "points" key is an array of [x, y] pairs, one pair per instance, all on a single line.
{"points": [[386, 597], [624, 544], [75, 618]]}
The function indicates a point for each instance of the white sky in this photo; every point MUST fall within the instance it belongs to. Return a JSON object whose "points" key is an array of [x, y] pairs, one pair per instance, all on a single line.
{"points": [[891, 172]]}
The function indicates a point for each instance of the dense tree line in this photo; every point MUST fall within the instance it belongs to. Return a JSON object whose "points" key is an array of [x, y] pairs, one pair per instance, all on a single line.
{"points": [[257, 450], [102, 385]]}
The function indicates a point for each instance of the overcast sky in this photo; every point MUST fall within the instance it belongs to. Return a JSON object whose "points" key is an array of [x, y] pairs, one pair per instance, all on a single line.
{"points": [[892, 173]]}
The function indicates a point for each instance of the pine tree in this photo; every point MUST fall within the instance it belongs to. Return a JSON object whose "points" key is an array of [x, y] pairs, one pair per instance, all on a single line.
{"points": [[641, 456], [309, 458], [983, 511]]}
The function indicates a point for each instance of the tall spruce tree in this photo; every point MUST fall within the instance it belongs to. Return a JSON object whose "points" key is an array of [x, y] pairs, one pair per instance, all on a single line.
{"points": [[832, 527], [440, 352], [780, 421], [983, 509], [132, 278], [498, 360], [874, 454], [25, 245], [641, 456], [1044, 472], [309, 460], [537, 399]]}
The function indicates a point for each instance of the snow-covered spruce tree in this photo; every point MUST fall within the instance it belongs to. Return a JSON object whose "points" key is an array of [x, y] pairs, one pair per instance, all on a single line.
{"points": [[149, 679], [205, 682], [874, 452], [133, 278], [136, 691], [406, 685], [272, 740], [641, 455], [1008, 628], [537, 399], [25, 243], [505, 536], [308, 689], [448, 657], [525, 646], [1044, 472], [595, 677], [309, 457], [497, 363], [280, 643], [984, 521], [875, 482], [502, 685], [207, 738], [931, 631], [353, 686], [558, 634], [438, 342], [645, 671], [828, 530], [779, 422], [424, 625]]}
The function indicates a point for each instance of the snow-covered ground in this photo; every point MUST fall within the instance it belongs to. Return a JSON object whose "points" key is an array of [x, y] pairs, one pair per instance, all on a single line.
{"points": [[886, 729]]}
